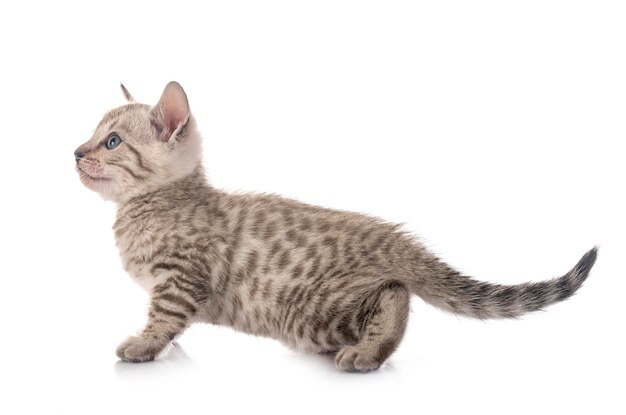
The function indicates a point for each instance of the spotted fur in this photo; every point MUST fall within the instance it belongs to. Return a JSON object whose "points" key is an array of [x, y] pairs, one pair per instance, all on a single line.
{"points": [[317, 279]]}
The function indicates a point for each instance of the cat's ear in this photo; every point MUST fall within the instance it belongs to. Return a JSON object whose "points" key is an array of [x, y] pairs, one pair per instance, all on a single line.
{"points": [[171, 114], [127, 94]]}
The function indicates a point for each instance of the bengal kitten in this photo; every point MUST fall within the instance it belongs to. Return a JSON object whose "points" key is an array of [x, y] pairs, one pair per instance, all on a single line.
{"points": [[319, 280]]}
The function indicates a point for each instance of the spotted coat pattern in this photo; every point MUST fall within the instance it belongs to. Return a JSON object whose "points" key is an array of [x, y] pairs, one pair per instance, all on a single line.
{"points": [[318, 280]]}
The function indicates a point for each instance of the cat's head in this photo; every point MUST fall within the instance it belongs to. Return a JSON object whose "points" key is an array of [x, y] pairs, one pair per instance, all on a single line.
{"points": [[138, 148]]}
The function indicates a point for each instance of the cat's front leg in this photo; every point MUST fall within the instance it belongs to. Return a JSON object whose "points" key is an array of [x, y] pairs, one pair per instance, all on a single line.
{"points": [[171, 308]]}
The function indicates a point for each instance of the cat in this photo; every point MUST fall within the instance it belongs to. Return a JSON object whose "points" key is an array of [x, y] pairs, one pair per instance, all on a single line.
{"points": [[318, 280]]}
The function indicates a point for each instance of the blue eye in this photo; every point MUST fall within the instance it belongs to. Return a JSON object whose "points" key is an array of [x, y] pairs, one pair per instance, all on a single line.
{"points": [[113, 141]]}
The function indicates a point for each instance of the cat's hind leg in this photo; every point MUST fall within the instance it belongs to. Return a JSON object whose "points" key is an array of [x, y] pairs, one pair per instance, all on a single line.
{"points": [[383, 328]]}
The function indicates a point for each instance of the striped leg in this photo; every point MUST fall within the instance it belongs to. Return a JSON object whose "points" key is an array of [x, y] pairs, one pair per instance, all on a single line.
{"points": [[170, 310], [382, 332]]}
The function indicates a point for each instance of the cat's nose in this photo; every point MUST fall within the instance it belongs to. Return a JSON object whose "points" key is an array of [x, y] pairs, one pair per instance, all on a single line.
{"points": [[78, 154]]}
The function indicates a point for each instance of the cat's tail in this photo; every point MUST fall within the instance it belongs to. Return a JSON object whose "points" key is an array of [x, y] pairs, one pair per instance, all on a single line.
{"points": [[449, 290]]}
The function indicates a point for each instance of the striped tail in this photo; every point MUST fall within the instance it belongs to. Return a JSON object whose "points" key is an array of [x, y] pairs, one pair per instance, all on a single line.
{"points": [[449, 290]]}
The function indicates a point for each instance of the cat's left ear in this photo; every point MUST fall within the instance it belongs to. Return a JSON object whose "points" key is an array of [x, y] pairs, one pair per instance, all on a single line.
{"points": [[171, 114], [127, 94]]}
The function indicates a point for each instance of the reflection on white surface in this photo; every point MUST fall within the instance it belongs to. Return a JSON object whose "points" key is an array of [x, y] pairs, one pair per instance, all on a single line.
{"points": [[172, 360], [325, 362]]}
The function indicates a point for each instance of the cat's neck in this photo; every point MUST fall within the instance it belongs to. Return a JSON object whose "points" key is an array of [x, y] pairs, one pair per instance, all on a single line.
{"points": [[190, 188]]}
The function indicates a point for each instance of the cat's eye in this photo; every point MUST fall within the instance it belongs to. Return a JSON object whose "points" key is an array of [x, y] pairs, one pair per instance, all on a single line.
{"points": [[113, 141]]}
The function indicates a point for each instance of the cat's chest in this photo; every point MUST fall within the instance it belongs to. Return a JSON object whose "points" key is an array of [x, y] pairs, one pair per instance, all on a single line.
{"points": [[140, 245]]}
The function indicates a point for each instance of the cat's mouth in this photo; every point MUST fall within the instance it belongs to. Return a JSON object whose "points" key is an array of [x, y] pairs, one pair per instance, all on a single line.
{"points": [[88, 179]]}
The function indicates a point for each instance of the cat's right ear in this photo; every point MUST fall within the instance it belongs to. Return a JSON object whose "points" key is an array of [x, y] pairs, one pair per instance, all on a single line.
{"points": [[170, 116], [127, 94]]}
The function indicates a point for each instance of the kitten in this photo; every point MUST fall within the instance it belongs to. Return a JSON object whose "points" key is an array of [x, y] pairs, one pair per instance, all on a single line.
{"points": [[319, 280]]}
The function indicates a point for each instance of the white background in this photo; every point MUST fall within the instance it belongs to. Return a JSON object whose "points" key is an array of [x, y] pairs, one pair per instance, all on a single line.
{"points": [[493, 129]]}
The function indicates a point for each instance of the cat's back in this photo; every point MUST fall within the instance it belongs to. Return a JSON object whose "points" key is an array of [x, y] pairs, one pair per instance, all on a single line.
{"points": [[290, 214], [278, 224]]}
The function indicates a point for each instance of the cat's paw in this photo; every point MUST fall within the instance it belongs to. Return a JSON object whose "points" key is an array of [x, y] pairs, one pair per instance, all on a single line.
{"points": [[140, 349], [354, 359]]}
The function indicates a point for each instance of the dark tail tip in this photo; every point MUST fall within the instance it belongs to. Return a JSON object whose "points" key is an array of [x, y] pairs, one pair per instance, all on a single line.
{"points": [[570, 282], [581, 270]]}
